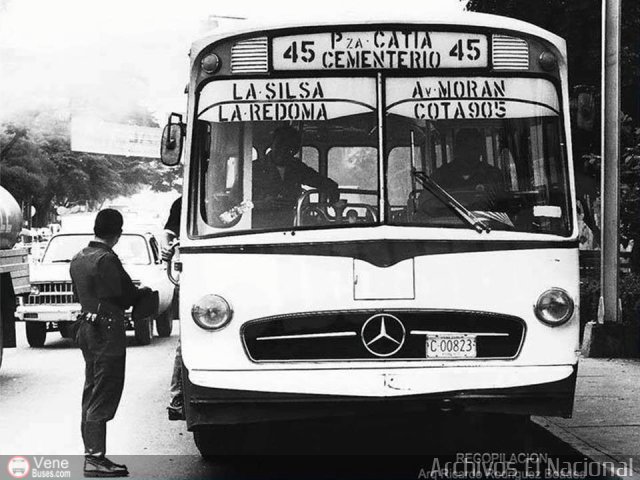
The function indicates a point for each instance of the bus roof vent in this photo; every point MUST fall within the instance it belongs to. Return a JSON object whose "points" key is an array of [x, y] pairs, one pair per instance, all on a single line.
{"points": [[510, 53], [250, 56]]}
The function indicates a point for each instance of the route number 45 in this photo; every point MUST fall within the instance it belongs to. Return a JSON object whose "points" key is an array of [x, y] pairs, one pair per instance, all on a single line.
{"points": [[304, 53], [472, 52]]}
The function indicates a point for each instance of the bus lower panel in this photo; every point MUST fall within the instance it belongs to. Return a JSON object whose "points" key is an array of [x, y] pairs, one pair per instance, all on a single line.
{"points": [[212, 406]]}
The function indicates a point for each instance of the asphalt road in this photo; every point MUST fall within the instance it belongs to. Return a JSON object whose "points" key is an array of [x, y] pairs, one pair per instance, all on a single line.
{"points": [[40, 393]]}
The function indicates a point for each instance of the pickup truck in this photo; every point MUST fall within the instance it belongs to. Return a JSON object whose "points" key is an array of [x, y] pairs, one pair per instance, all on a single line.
{"points": [[52, 304]]}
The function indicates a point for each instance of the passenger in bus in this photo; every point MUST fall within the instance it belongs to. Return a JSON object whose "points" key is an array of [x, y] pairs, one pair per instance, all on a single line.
{"points": [[470, 180], [478, 185], [278, 178]]}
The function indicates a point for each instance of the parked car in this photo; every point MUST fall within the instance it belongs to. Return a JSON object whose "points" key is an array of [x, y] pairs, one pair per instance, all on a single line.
{"points": [[52, 305]]}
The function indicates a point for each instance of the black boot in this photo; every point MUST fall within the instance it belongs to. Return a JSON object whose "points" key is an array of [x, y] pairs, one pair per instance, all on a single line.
{"points": [[103, 467]]}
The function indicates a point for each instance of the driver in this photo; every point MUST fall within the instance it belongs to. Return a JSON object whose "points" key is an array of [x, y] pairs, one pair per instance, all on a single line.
{"points": [[278, 178]]}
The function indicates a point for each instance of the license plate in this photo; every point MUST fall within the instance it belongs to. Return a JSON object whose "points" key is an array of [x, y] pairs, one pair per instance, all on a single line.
{"points": [[451, 346]]}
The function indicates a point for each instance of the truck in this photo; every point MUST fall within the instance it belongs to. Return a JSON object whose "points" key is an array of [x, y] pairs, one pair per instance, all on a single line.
{"points": [[14, 268]]}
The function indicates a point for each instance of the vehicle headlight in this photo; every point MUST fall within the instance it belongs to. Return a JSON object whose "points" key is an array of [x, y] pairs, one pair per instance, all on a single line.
{"points": [[554, 307], [211, 312], [34, 290]]}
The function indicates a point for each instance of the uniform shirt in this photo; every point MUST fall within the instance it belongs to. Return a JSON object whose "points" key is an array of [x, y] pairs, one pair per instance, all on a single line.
{"points": [[99, 278]]}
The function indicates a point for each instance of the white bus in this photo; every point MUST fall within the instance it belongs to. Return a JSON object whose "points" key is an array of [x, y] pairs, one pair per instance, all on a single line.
{"points": [[446, 273]]}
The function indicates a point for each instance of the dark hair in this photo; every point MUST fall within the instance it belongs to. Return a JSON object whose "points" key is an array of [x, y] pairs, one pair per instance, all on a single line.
{"points": [[108, 223], [469, 145], [288, 134], [468, 136]]}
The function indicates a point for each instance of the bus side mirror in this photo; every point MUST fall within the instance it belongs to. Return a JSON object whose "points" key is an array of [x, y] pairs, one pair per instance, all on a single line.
{"points": [[171, 144]]}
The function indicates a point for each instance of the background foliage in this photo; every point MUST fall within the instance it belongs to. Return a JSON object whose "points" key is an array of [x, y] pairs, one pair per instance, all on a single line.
{"points": [[37, 166]]}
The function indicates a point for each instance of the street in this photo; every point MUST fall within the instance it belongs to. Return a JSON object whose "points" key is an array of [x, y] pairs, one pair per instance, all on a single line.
{"points": [[40, 411]]}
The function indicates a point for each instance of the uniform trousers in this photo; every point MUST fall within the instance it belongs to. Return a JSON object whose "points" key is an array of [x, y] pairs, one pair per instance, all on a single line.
{"points": [[103, 346]]}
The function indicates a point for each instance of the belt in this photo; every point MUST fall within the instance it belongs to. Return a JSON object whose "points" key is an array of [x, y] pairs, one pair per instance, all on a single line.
{"points": [[97, 318]]}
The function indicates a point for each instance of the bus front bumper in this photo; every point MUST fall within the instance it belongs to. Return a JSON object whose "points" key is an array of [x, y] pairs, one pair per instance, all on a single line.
{"points": [[224, 406]]}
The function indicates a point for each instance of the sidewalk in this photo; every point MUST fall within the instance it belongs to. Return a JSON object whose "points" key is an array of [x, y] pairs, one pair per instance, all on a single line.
{"points": [[606, 413]]}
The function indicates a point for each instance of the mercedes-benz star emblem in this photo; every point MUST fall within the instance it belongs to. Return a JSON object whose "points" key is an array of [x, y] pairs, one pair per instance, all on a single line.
{"points": [[383, 335]]}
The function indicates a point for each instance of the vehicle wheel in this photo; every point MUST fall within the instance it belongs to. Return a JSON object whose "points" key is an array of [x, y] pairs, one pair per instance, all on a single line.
{"points": [[36, 333], [164, 323], [143, 330], [218, 441], [65, 329]]}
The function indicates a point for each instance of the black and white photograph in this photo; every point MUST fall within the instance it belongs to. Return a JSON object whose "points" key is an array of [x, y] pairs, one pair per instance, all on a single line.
{"points": [[320, 240]]}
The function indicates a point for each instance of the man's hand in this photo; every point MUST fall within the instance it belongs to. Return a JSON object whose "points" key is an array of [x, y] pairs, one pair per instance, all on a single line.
{"points": [[167, 252]]}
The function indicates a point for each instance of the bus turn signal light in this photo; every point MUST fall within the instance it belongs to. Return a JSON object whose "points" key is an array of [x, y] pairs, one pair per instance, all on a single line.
{"points": [[211, 312], [210, 63], [548, 61], [554, 307]]}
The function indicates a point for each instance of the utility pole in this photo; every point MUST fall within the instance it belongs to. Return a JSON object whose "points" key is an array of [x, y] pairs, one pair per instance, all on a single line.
{"points": [[608, 311], [604, 337]]}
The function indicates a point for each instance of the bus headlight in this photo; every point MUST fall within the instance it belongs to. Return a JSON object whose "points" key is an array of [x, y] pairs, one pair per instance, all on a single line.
{"points": [[211, 312], [554, 307]]}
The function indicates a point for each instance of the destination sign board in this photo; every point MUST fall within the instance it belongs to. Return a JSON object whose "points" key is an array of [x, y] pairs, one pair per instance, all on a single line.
{"points": [[292, 99], [381, 49], [458, 98]]}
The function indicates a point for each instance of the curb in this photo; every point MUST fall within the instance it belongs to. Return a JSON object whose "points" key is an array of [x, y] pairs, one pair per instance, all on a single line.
{"points": [[582, 447]]}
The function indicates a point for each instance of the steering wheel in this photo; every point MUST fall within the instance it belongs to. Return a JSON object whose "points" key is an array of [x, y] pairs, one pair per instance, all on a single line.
{"points": [[313, 214]]}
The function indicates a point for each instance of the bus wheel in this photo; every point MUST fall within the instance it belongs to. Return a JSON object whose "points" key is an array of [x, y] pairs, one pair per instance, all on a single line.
{"points": [[36, 333], [218, 441], [164, 323], [143, 329]]}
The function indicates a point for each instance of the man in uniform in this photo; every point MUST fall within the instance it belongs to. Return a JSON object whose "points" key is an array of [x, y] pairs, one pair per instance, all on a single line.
{"points": [[105, 291]]}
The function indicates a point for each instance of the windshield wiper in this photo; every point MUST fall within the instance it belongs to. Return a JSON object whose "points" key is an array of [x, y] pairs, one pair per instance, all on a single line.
{"points": [[61, 261], [445, 197]]}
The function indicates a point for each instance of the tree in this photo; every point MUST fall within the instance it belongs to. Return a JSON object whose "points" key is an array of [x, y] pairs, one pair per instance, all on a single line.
{"points": [[579, 23], [39, 168]]}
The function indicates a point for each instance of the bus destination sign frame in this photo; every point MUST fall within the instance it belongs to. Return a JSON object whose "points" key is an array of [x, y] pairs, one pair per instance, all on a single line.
{"points": [[380, 49]]}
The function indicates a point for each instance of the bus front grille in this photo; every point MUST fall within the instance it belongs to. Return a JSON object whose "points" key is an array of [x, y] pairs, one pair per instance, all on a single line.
{"points": [[344, 335]]}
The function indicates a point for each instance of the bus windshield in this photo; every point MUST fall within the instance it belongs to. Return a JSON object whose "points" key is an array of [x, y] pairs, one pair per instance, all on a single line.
{"points": [[493, 144], [274, 154], [304, 153]]}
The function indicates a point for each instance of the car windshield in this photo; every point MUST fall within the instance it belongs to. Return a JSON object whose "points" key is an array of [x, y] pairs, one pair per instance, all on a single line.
{"points": [[131, 249]]}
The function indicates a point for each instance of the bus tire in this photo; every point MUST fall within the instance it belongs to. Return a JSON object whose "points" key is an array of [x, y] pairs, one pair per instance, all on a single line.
{"points": [[164, 323], [219, 441], [36, 333], [143, 330]]}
